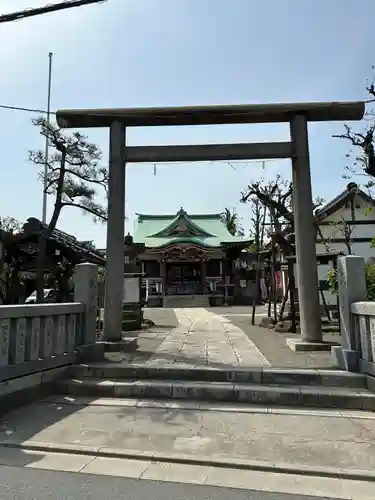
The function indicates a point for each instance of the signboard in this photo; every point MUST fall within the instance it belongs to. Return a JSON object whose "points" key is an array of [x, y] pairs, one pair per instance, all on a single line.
{"points": [[131, 290]]}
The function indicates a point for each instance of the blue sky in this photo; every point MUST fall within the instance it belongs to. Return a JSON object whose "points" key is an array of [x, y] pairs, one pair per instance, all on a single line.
{"points": [[181, 52]]}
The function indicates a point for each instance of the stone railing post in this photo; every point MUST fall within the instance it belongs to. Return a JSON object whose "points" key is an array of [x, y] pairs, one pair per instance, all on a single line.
{"points": [[351, 288], [86, 292]]}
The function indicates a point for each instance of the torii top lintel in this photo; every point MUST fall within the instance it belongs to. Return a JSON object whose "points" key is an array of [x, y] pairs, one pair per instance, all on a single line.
{"points": [[210, 115]]}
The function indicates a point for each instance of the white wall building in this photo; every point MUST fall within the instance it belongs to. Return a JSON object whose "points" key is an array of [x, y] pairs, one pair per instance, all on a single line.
{"points": [[349, 219], [346, 225]]}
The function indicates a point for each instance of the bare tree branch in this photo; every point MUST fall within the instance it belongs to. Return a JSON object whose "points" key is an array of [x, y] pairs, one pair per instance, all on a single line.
{"points": [[277, 197], [363, 157]]}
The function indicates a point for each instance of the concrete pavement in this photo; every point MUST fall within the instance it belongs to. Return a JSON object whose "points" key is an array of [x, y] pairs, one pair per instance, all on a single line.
{"points": [[323, 453], [214, 434], [41, 475], [34, 484]]}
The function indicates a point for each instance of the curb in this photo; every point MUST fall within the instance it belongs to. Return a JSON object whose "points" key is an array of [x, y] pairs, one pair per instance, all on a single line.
{"points": [[177, 458]]}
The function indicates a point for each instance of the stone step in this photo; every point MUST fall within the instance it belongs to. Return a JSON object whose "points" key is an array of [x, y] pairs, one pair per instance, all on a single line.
{"points": [[188, 300], [181, 301], [269, 395], [282, 376], [127, 344]]}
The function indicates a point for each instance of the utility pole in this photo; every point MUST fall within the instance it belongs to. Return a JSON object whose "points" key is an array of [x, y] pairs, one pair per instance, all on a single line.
{"points": [[68, 4], [46, 153]]}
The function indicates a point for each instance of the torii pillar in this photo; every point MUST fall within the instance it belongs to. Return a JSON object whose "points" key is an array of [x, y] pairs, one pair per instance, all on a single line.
{"points": [[114, 279]]}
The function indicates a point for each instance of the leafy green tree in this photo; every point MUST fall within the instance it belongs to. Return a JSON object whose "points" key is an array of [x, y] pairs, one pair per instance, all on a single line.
{"points": [[370, 280], [233, 222], [75, 177], [74, 172], [10, 283], [369, 276], [10, 224]]}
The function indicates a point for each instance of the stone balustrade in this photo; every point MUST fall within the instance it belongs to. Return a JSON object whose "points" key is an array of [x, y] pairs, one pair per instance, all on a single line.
{"points": [[36, 338], [364, 333], [29, 333], [357, 318]]}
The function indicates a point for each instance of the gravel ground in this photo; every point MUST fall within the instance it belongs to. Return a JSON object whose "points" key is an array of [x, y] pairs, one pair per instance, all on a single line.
{"points": [[273, 346]]}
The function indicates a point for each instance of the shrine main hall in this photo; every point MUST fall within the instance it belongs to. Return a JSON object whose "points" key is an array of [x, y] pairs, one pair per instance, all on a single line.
{"points": [[185, 255]]}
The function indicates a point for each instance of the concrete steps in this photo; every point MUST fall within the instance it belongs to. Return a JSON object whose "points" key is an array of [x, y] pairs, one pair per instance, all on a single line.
{"points": [[310, 388], [258, 375], [181, 301], [262, 394]]}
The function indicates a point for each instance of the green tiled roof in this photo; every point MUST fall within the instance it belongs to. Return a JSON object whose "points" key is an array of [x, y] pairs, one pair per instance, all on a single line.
{"points": [[155, 231]]}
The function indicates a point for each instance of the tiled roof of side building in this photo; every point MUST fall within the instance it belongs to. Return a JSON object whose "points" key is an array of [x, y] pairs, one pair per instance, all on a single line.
{"points": [[338, 201]]}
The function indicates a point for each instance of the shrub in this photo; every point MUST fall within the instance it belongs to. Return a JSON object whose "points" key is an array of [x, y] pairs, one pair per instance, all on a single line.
{"points": [[370, 281], [332, 280]]}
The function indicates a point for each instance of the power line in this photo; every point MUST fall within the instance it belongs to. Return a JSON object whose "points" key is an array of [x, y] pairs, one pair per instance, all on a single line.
{"points": [[29, 110], [231, 163], [68, 4]]}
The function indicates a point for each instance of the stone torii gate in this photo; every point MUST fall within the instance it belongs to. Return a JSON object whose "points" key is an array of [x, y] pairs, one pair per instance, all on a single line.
{"points": [[297, 115]]}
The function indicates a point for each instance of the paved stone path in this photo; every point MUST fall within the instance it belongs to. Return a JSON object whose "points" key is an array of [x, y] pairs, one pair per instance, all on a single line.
{"points": [[172, 339], [204, 338]]}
